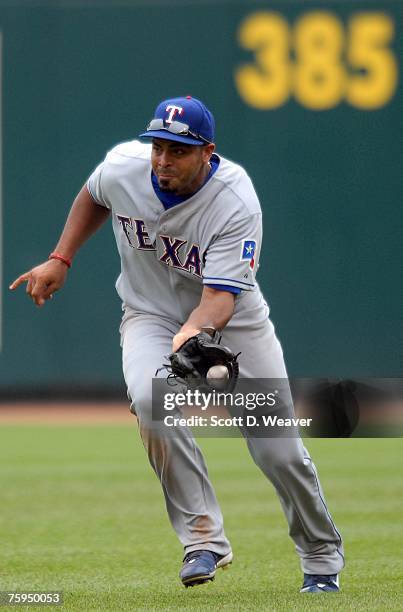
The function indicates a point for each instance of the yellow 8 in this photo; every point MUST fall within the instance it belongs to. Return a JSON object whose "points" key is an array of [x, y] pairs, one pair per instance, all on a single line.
{"points": [[319, 76]]}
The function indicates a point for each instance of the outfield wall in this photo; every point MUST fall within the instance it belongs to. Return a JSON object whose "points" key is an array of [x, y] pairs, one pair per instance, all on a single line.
{"points": [[307, 96]]}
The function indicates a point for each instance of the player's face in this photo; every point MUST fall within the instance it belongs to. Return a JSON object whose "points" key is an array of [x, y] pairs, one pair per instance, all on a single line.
{"points": [[180, 168]]}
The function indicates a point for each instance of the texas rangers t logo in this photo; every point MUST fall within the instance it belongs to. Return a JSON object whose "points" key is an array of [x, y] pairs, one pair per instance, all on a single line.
{"points": [[173, 110], [248, 252]]}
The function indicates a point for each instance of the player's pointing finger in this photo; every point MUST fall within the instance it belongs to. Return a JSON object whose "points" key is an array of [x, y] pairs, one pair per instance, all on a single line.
{"points": [[18, 281]]}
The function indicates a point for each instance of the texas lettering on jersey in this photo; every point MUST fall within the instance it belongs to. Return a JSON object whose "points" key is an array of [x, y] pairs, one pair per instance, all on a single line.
{"points": [[176, 252]]}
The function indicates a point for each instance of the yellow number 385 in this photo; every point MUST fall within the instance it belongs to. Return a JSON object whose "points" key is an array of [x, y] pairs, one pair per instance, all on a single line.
{"points": [[317, 61]]}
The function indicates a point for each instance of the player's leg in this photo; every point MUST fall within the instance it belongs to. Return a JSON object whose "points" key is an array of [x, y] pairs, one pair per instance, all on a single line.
{"points": [[176, 459], [287, 464]]}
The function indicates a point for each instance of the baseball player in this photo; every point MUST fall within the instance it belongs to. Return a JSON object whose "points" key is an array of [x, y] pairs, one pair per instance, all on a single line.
{"points": [[188, 227]]}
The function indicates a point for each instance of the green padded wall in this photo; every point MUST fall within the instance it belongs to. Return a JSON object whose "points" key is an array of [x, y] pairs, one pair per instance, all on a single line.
{"points": [[306, 95]]}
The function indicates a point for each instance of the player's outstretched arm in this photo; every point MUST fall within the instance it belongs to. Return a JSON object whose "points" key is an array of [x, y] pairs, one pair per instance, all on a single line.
{"points": [[214, 311], [84, 219]]}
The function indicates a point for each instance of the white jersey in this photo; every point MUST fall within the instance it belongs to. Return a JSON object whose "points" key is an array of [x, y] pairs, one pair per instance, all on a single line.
{"points": [[212, 238]]}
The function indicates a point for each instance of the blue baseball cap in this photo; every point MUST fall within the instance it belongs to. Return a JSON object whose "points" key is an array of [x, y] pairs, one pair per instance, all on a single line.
{"points": [[184, 119]]}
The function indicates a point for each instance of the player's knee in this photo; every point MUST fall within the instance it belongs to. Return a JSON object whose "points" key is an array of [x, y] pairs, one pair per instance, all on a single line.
{"points": [[260, 452], [141, 404], [273, 460], [286, 468]]}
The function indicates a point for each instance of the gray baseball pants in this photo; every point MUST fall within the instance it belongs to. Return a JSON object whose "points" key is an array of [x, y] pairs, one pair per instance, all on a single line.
{"points": [[178, 462]]}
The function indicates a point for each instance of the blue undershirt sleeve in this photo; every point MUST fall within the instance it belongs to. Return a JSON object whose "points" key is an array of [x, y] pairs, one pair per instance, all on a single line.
{"points": [[225, 288]]}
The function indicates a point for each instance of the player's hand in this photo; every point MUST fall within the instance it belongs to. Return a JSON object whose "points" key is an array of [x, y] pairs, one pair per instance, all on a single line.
{"points": [[43, 280], [182, 336]]}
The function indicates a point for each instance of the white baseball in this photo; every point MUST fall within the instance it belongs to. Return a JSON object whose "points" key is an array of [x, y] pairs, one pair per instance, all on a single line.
{"points": [[217, 376]]}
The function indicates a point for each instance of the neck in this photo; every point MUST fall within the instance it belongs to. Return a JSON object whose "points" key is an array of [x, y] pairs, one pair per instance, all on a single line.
{"points": [[198, 182]]}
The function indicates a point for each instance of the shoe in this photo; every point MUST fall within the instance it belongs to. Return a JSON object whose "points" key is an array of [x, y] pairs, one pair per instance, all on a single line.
{"points": [[320, 584], [200, 566]]}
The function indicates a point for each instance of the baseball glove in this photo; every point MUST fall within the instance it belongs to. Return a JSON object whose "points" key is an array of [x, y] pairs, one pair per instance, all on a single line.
{"points": [[191, 363]]}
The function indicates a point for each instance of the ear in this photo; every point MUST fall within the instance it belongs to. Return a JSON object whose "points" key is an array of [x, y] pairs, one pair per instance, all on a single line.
{"points": [[207, 152]]}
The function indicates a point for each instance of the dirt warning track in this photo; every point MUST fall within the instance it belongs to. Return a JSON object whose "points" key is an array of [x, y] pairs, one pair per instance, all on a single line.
{"points": [[65, 413]]}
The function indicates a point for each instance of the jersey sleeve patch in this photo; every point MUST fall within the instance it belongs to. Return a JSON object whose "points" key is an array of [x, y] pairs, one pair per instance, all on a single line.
{"points": [[248, 252]]}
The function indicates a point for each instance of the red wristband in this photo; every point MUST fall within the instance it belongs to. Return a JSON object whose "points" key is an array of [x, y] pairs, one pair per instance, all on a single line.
{"points": [[65, 260]]}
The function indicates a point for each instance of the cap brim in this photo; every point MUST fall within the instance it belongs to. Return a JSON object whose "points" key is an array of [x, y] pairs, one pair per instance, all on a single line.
{"points": [[165, 135]]}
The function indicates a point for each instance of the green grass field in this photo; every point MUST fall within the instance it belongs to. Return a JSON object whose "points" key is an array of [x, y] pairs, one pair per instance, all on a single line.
{"points": [[82, 512]]}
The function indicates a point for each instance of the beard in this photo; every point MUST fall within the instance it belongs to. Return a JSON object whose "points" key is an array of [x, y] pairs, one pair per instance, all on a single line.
{"points": [[166, 189], [164, 186]]}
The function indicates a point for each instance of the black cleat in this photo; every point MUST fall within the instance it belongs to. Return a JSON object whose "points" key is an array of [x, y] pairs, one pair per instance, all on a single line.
{"points": [[200, 566], [320, 584]]}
